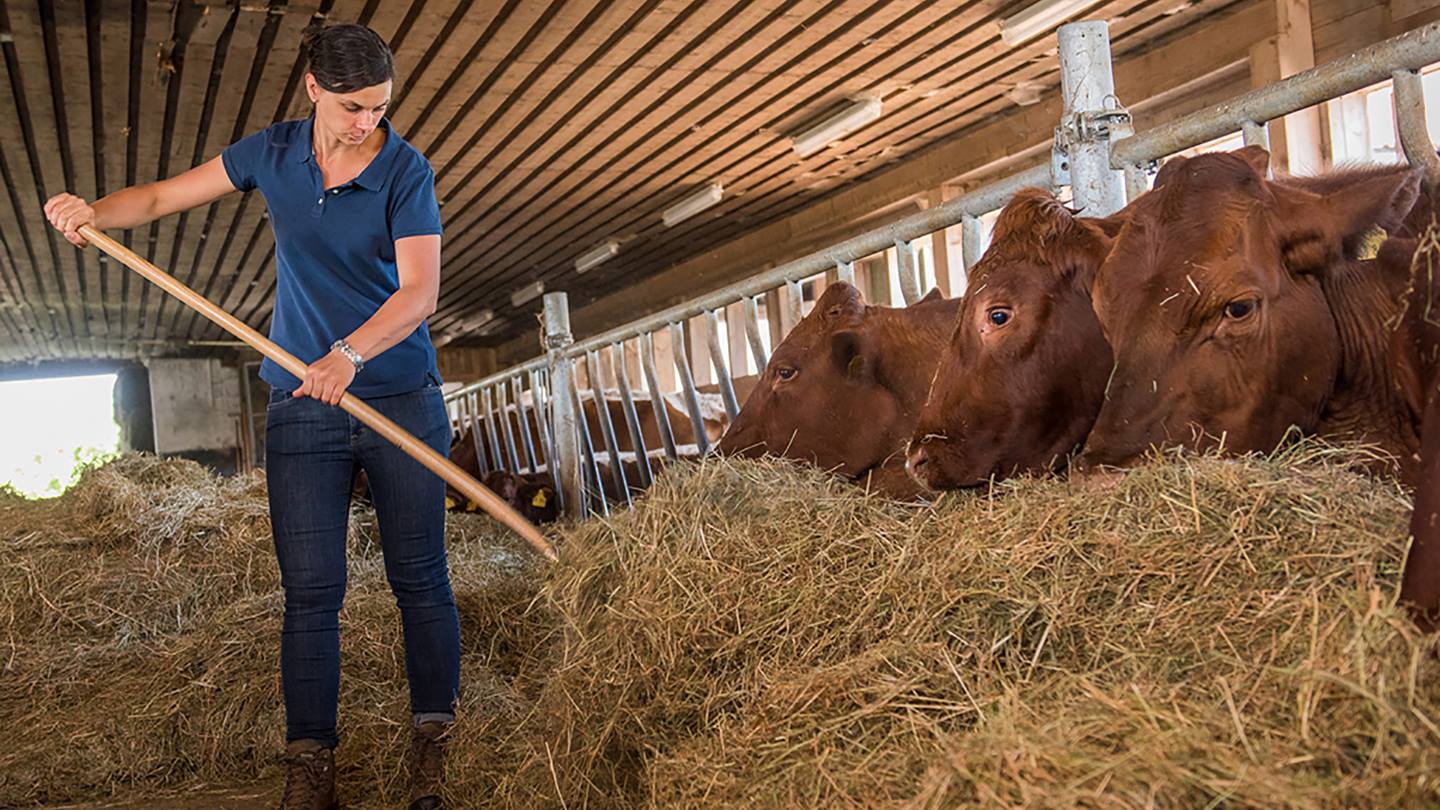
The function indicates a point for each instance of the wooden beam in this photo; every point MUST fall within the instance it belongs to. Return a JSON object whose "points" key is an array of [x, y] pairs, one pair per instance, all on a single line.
{"points": [[1296, 142]]}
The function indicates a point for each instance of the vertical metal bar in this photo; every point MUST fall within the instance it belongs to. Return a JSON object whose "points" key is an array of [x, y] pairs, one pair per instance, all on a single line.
{"points": [[909, 275], [972, 242], [1087, 86], [632, 419], [795, 302], [607, 425], [687, 385], [1410, 124], [717, 358], [1137, 181], [522, 421], [566, 461], [845, 271], [498, 455], [657, 396], [540, 404], [478, 434], [502, 403], [1256, 134], [593, 464], [752, 333]]}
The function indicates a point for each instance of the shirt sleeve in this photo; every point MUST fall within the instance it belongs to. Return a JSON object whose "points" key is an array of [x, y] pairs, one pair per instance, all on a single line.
{"points": [[413, 208], [242, 157]]}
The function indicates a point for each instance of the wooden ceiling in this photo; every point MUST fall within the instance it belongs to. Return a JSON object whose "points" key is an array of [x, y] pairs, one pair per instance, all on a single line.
{"points": [[551, 124]]}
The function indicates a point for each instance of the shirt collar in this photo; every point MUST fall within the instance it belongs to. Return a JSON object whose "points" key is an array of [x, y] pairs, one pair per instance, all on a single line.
{"points": [[373, 177]]}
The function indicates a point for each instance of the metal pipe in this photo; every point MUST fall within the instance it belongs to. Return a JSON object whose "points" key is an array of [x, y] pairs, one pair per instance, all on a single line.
{"points": [[1088, 89], [972, 239], [687, 385], [632, 419], [657, 396], [566, 461], [908, 272], [1410, 124], [1256, 134], [1409, 51], [502, 462], [722, 369], [795, 301], [547, 440], [588, 445], [752, 333], [845, 271], [607, 425], [479, 436], [502, 400], [522, 421], [1137, 181]]}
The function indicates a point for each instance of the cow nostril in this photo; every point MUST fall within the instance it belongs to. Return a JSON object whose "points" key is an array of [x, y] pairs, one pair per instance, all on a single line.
{"points": [[918, 460]]}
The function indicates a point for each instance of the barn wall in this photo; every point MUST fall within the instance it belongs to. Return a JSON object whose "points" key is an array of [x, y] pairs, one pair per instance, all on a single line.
{"points": [[196, 406], [1179, 76]]}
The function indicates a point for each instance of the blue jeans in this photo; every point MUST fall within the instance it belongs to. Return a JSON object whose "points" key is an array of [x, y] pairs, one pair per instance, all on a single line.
{"points": [[312, 453]]}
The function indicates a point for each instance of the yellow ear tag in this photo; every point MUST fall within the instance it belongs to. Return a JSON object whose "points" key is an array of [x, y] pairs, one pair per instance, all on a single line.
{"points": [[471, 506], [539, 500], [449, 503]]}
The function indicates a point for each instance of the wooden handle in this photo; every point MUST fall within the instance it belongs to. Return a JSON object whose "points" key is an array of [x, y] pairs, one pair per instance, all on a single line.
{"points": [[421, 452]]}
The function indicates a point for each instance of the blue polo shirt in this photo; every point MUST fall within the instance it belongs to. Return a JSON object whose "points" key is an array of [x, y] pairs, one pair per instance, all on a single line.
{"points": [[335, 249]]}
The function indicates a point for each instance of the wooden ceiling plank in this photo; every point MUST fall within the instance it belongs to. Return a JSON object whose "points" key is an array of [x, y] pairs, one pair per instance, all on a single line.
{"points": [[421, 64], [108, 37], [28, 93]]}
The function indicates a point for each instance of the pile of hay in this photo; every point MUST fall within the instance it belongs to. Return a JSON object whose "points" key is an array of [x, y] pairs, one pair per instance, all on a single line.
{"points": [[755, 635]]}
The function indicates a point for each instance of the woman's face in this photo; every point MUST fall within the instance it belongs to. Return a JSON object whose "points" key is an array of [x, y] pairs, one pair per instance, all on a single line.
{"points": [[351, 117]]}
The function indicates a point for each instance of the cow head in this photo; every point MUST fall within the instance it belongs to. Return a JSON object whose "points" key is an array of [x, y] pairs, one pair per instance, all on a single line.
{"points": [[824, 397], [1021, 380], [1213, 297]]}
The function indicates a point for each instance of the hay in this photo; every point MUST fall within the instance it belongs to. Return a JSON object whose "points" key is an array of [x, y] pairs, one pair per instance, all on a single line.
{"points": [[755, 635]]}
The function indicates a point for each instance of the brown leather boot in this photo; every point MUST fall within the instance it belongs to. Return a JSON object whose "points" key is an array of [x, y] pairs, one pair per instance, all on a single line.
{"points": [[427, 765], [309, 777]]}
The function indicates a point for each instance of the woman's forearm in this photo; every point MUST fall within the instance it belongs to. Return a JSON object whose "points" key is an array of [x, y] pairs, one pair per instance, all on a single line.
{"points": [[127, 207], [401, 313]]}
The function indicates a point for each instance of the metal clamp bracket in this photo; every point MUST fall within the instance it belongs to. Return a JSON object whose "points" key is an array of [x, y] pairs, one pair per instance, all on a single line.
{"points": [[1112, 123]]}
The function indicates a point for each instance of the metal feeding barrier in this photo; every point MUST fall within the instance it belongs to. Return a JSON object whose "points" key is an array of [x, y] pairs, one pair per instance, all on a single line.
{"points": [[1095, 152]]}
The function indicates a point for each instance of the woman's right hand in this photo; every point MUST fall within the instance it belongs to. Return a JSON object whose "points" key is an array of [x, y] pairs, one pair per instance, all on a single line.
{"points": [[67, 213]]}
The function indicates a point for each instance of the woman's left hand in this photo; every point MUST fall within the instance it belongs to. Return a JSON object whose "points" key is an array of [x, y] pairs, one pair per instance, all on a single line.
{"points": [[328, 378]]}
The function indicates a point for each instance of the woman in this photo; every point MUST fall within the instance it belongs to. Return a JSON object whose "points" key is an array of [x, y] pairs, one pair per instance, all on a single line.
{"points": [[357, 263]]}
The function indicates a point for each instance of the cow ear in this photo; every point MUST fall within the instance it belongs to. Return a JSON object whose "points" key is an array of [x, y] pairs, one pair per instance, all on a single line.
{"points": [[504, 485], [1257, 156], [1316, 229], [1169, 169], [932, 296], [841, 301], [849, 350]]}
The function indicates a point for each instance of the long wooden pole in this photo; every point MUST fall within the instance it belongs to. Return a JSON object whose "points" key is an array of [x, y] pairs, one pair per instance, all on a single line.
{"points": [[421, 452]]}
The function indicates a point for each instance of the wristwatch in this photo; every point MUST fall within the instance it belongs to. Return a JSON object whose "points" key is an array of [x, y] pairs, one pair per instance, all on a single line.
{"points": [[350, 354]]}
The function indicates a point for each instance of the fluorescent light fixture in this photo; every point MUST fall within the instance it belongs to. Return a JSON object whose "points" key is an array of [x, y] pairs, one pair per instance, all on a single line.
{"points": [[692, 205], [600, 253], [1037, 18], [864, 110], [528, 293], [478, 320]]}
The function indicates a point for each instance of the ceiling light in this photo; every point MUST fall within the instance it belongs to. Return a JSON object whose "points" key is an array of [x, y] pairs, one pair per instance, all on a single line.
{"points": [[692, 205], [479, 319], [601, 252], [864, 110], [1037, 18], [527, 294]]}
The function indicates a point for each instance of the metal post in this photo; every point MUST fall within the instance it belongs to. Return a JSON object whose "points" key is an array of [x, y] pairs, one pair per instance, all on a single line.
{"points": [[1137, 181], [522, 418], [588, 445], [1091, 112], [752, 333], [652, 384], [479, 436], [502, 402], [795, 302], [722, 370], [1256, 134], [487, 401], [1410, 124], [566, 461], [845, 271], [687, 385], [607, 425], [632, 419], [540, 403], [909, 273]]}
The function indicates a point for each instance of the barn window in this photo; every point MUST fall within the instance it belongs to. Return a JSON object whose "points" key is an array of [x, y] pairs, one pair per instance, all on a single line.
{"points": [[1362, 124], [54, 427]]}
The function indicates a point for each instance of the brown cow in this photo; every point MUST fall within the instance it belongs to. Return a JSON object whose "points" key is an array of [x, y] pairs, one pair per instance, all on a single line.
{"points": [[1417, 353], [1234, 313], [1022, 378], [844, 389]]}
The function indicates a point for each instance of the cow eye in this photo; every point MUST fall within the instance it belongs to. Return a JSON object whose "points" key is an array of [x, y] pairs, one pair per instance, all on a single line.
{"points": [[1240, 310], [785, 373], [999, 316]]}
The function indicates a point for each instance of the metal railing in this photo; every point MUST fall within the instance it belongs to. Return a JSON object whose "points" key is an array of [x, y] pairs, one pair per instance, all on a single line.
{"points": [[1095, 152]]}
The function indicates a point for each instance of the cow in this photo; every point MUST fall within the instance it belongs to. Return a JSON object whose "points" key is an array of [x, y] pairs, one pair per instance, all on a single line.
{"points": [[1416, 343], [844, 389], [1236, 314], [1022, 378]]}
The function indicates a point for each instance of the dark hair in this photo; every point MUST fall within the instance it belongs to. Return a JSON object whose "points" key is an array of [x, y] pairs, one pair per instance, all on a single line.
{"points": [[346, 58]]}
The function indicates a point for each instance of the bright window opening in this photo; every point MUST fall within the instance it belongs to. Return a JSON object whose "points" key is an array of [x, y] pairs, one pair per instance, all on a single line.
{"points": [[52, 427]]}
